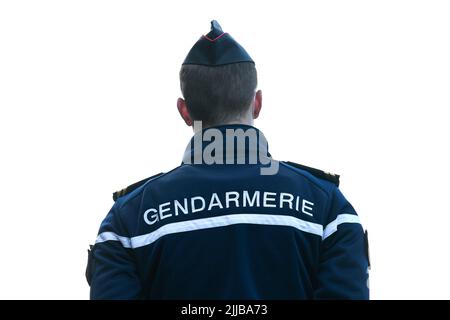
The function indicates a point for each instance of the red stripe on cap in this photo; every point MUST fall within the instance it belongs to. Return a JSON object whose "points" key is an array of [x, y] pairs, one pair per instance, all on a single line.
{"points": [[212, 40]]}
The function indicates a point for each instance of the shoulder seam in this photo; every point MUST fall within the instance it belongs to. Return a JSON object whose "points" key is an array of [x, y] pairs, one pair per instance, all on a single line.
{"points": [[144, 185], [322, 175], [308, 178]]}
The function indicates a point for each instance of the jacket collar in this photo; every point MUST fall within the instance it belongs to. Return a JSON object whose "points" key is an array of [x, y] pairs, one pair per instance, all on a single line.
{"points": [[227, 144]]}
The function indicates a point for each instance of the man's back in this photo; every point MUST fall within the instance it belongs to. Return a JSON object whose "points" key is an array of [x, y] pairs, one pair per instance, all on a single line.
{"points": [[227, 232], [230, 222]]}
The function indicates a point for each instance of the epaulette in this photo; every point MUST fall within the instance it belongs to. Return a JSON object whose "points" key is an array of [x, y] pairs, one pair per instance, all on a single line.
{"points": [[334, 178], [131, 187]]}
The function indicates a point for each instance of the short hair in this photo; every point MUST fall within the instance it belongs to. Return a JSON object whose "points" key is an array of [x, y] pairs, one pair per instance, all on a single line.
{"points": [[218, 94]]}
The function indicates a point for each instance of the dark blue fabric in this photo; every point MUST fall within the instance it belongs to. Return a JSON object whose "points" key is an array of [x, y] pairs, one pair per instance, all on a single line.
{"points": [[216, 48], [239, 261]]}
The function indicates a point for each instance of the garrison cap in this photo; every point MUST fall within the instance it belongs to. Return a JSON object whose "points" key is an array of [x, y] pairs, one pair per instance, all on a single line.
{"points": [[216, 48]]}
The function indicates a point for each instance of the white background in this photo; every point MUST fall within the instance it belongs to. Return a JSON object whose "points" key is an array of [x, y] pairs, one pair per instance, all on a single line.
{"points": [[88, 95]]}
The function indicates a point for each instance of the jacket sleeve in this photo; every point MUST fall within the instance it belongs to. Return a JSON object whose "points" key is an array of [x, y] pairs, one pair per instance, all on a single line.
{"points": [[343, 265], [111, 270]]}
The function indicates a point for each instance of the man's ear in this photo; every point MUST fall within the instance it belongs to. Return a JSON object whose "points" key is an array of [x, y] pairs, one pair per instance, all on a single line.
{"points": [[184, 113], [258, 104]]}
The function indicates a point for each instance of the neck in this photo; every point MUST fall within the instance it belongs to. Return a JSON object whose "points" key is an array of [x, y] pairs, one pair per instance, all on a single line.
{"points": [[246, 120]]}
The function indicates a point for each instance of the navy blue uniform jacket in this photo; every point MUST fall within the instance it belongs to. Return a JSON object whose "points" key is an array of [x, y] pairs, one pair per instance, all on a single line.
{"points": [[227, 232]]}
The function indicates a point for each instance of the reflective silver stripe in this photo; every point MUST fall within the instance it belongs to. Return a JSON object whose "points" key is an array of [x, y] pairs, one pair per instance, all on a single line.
{"points": [[213, 222], [111, 236], [342, 218], [221, 221]]}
